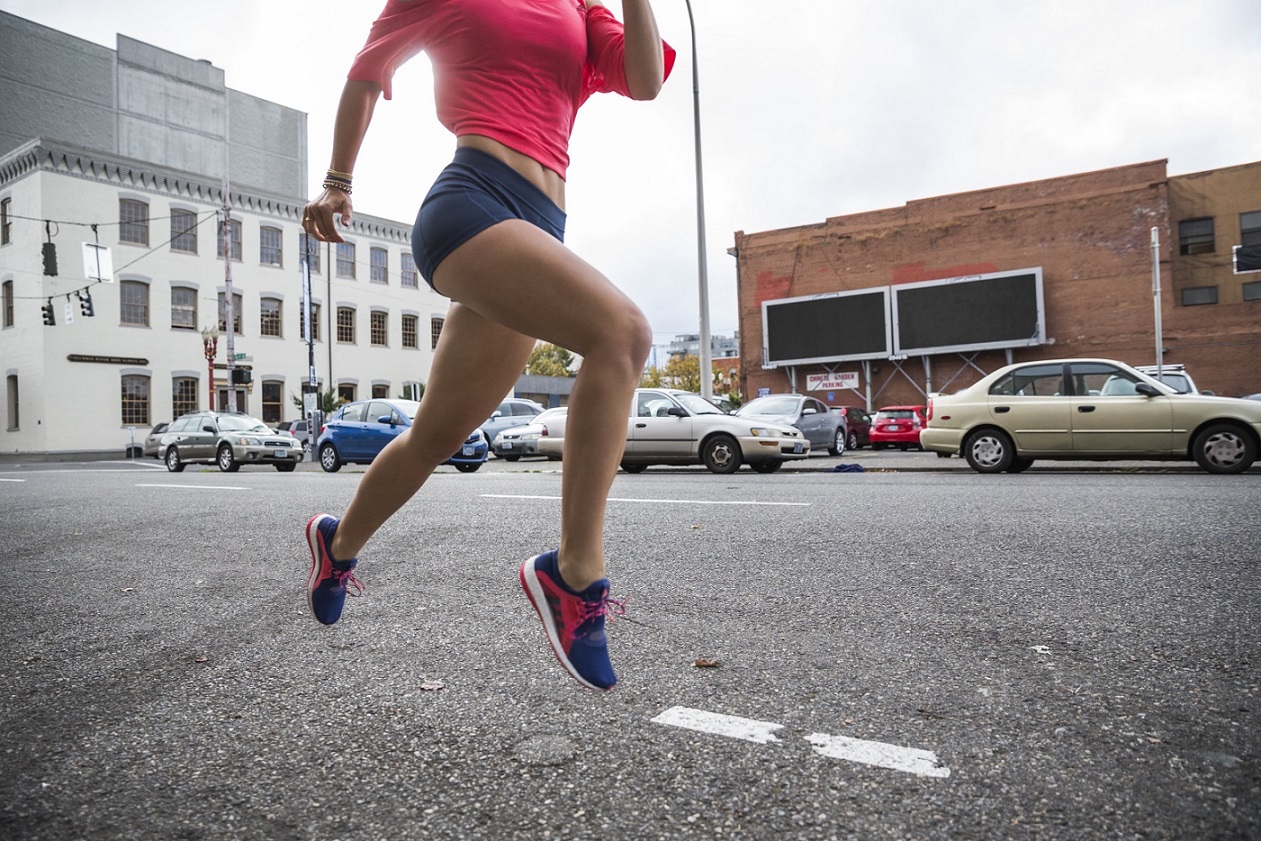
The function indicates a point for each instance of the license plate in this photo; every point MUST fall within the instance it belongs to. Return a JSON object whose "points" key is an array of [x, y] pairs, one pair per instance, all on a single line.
{"points": [[468, 451], [799, 447], [281, 454], [893, 427], [507, 445]]}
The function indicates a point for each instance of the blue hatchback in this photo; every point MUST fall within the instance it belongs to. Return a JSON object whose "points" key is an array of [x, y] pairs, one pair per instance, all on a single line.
{"points": [[357, 432]]}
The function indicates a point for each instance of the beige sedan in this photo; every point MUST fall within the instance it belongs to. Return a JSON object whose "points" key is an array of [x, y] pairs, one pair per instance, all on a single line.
{"points": [[1085, 409]]}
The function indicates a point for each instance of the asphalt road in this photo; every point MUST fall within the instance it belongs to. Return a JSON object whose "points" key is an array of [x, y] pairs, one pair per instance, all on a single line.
{"points": [[909, 652]]}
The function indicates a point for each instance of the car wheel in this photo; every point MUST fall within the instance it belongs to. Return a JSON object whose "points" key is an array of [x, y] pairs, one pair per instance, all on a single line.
{"points": [[766, 466], [722, 454], [877, 446], [852, 441], [1224, 448], [1020, 465], [633, 467], [173, 462], [286, 468], [467, 468], [511, 458], [227, 460], [989, 451], [838, 443], [329, 459]]}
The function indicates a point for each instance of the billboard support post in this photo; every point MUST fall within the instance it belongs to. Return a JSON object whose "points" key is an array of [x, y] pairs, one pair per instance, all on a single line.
{"points": [[1160, 351]]}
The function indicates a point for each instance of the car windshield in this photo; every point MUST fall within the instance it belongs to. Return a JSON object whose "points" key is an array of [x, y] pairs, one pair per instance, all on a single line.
{"points": [[236, 423], [765, 406], [409, 408], [697, 405], [1177, 381]]}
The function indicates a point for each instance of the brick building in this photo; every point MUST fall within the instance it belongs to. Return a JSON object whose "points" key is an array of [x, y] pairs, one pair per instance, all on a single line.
{"points": [[1089, 234]]}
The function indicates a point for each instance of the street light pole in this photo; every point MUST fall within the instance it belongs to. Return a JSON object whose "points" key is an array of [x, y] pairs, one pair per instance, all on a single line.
{"points": [[706, 362], [210, 344]]}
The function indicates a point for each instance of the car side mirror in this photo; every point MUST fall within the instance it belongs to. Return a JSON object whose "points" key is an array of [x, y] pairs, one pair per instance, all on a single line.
{"points": [[1209, 393], [675, 411], [209, 429], [496, 414], [1146, 390], [386, 419], [809, 412]]}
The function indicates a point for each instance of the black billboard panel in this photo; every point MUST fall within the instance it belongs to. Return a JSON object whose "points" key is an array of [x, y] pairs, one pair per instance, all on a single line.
{"points": [[826, 328], [963, 314]]}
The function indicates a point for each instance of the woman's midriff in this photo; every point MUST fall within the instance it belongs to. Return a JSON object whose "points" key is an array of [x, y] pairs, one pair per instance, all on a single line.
{"points": [[549, 181]]}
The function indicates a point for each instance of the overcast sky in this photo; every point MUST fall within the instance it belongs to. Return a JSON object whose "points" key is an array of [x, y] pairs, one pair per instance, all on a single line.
{"points": [[808, 110]]}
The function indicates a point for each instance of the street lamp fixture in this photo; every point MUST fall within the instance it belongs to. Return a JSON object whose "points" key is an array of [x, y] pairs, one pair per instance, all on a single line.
{"points": [[210, 343]]}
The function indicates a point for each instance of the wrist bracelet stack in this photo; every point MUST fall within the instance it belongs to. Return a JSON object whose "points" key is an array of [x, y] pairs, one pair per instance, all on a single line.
{"points": [[337, 181]]}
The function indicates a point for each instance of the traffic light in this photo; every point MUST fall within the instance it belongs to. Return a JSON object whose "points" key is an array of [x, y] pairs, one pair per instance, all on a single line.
{"points": [[50, 259], [49, 318], [85, 303]]}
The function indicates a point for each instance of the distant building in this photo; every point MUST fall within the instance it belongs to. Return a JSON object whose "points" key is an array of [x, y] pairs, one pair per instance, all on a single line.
{"points": [[689, 344], [129, 148]]}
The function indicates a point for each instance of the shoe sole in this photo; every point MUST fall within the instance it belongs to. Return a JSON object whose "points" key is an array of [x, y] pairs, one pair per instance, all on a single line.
{"points": [[313, 577], [538, 598]]}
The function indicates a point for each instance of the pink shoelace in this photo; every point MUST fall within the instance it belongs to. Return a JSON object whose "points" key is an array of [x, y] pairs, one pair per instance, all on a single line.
{"points": [[613, 608], [346, 578]]}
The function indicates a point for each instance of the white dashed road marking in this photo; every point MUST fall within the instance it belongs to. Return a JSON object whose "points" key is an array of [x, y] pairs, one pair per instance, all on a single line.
{"points": [[12, 480], [882, 755], [662, 501], [198, 487]]}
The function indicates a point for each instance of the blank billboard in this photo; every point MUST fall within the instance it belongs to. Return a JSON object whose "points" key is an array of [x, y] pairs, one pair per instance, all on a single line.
{"points": [[827, 328], [979, 312]]}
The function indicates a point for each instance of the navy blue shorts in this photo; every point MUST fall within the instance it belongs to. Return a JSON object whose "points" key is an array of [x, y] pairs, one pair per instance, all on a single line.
{"points": [[475, 191]]}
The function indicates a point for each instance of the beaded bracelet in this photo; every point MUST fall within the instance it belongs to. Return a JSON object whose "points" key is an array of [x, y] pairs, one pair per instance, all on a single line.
{"points": [[337, 182]]}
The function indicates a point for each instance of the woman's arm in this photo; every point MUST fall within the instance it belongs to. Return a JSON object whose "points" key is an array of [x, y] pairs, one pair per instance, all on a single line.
{"points": [[645, 65], [354, 114]]}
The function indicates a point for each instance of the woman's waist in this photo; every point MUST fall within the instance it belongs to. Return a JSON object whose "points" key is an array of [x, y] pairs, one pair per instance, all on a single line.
{"points": [[546, 180]]}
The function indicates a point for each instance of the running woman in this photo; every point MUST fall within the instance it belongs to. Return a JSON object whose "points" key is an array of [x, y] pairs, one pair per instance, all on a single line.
{"points": [[509, 78]]}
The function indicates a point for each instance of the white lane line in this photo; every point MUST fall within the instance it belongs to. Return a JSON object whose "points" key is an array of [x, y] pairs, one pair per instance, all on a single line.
{"points": [[198, 487], [663, 501], [879, 754], [12, 480], [748, 729], [895, 757]]}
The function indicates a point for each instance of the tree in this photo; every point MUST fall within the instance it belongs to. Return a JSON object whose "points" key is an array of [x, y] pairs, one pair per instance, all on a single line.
{"points": [[684, 372], [548, 360]]}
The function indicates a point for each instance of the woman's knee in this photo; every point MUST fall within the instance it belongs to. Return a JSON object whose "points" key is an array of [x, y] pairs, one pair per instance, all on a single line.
{"points": [[630, 337]]}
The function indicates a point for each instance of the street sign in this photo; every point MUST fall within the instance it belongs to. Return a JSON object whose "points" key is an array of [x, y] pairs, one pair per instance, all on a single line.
{"points": [[825, 382], [238, 356]]}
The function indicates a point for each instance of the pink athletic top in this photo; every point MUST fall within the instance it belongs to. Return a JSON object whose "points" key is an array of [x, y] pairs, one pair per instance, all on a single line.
{"points": [[515, 71]]}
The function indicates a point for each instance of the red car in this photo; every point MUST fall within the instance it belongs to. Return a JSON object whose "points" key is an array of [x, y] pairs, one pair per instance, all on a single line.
{"points": [[897, 426]]}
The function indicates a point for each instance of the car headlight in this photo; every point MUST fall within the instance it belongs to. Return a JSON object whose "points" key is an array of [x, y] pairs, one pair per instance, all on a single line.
{"points": [[764, 432], [530, 436], [249, 442]]}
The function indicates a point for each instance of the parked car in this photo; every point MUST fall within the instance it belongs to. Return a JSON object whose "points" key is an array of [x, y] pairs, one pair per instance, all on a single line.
{"points": [[513, 411], [298, 429], [357, 432], [897, 426], [824, 429], [152, 442], [668, 426], [857, 425], [228, 440], [1060, 409], [1175, 376], [552, 432], [518, 441]]}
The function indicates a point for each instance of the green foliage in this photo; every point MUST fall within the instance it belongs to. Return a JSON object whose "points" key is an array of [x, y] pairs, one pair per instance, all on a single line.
{"points": [[548, 360], [326, 401], [684, 372]]}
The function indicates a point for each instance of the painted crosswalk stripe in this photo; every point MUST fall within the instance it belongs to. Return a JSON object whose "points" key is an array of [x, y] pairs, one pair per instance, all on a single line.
{"points": [[662, 501], [878, 754], [748, 729]]}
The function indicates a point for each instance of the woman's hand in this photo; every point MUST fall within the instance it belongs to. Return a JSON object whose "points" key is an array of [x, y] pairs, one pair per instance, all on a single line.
{"points": [[318, 216]]}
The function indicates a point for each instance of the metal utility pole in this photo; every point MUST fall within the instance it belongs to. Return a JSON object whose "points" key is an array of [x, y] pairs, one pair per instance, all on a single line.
{"points": [[1160, 344], [229, 306], [706, 362], [310, 399]]}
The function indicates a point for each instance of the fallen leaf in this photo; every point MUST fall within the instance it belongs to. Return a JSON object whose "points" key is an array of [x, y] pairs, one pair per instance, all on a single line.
{"points": [[129, 589], [202, 659], [696, 525], [702, 663], [431, 685]]}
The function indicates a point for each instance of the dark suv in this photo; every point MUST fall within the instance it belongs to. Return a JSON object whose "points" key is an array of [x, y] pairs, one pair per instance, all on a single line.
{"points": [[228, 440]]}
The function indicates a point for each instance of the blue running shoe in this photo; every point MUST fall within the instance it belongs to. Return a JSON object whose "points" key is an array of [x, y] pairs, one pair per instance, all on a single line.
{"points": [[573, 621], [330, 579]]}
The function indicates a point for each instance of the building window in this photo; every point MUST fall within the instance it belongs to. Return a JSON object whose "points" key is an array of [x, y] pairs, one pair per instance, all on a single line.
{"points": [[273, 401], [380, 268], [378, 331], [183, 307], [381, 391], [133, 221], [1195, 236], [1252, 290], [435, 330], [346, 260], [1197, 295], [269, 317], [346, 325], [11, 401], [235, 225], [346, 392], [1250, 228], [309, 247], [409, 271], [135, 400], [270, 247], [315, 324], [412, 391], [6, 224], [409, 331], [184, 231], [133, 297], [236, 313], [184, 393], [8, 303]]}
